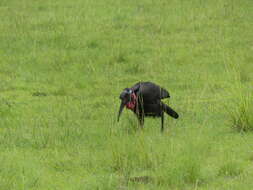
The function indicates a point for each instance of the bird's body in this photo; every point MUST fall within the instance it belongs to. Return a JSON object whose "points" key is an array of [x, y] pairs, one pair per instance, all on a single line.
{"points": [[144, 99]]}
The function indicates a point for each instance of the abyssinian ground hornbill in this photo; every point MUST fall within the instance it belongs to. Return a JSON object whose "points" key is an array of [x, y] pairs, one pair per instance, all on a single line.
{"points": [[145, 99]]}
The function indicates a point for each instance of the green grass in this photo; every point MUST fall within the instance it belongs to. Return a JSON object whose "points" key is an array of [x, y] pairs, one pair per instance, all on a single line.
{"points": [[63, 65]]}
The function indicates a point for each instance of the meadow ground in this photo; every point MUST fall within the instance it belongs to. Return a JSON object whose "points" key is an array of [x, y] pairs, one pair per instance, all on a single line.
{"points": [[64, 63]]}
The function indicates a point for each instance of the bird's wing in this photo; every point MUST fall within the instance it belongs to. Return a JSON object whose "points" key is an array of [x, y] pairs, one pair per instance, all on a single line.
{"points": [[164, 93], [150, 91]]}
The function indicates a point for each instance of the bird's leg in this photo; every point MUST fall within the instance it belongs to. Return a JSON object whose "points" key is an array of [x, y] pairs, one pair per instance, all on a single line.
{"points": [[140, 111], [141, 121], [162, 121]]}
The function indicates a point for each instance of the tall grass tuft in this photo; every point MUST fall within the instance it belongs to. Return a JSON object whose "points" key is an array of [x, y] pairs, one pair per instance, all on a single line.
{"points": [[241, 115], [231, 169]]}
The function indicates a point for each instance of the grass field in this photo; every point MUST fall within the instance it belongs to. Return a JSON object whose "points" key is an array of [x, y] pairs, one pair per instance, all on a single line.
{"points": [[64, 63]]}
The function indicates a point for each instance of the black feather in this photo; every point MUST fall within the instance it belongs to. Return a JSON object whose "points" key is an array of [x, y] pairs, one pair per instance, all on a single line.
{"points": [[149, 101]]}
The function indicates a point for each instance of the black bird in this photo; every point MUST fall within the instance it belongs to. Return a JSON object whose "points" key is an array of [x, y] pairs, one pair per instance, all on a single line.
{"points": [[144, 99]]}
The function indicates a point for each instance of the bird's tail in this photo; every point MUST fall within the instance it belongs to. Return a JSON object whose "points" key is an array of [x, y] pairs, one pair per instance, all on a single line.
{"points": [[170, 111]]}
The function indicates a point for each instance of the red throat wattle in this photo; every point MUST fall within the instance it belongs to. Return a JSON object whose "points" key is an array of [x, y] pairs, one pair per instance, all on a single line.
{"points": [[131, 105]]}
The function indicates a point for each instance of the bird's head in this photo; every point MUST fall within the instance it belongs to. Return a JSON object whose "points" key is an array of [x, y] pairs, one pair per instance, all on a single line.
{"points": [[127, 99]]}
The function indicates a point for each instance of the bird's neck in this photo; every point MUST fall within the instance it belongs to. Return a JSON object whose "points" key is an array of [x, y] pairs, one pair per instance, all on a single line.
{"points": [[131, 105]]}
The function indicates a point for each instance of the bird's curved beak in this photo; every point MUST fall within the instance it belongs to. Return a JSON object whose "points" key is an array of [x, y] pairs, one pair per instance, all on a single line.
{"points": [[122, 105], [123, 97]]}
